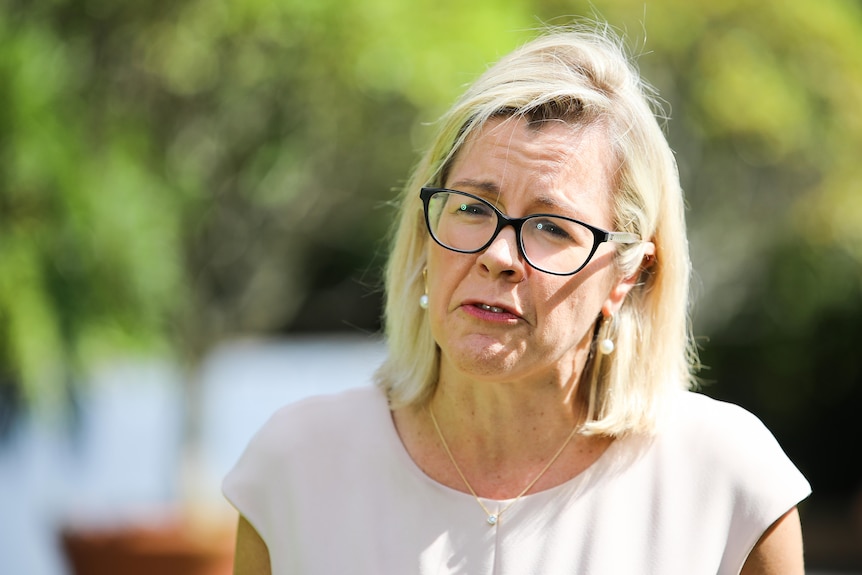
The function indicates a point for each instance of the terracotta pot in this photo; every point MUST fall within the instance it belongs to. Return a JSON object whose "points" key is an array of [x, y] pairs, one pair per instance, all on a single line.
{"points": [[169, 547]]}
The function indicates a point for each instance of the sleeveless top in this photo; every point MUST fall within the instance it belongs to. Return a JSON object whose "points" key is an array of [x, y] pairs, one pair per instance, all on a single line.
{"points": [[330, 488]]}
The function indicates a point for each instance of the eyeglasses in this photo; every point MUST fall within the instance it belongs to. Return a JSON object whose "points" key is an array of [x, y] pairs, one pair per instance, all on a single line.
{"points": [[553, 244]]}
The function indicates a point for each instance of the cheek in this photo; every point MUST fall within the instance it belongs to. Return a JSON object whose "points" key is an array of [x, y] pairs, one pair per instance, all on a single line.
{"points": [[446, 268], [573, 307], [442, 280]]}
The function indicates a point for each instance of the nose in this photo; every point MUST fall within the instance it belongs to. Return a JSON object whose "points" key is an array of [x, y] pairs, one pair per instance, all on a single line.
{"points": [[503, 257]]}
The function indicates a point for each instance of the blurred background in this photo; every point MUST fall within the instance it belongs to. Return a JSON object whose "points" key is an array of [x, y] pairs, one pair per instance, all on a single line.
{"points": [[194, 196]]}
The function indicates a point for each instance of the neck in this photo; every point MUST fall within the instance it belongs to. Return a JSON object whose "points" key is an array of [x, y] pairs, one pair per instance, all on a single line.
{"points": [[501, 434], [505, 429]]}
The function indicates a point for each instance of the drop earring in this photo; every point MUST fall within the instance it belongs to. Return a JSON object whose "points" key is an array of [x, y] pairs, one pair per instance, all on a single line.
{"points": [[606, 344], [423, 299]]}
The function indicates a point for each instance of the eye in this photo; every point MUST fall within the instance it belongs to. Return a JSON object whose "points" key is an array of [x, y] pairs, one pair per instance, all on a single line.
{"points": [[473, 208], [552, 229], [562, 232]]}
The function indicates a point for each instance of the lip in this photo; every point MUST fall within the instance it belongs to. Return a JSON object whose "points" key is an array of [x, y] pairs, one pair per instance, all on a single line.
{"points": [[492, 311]]}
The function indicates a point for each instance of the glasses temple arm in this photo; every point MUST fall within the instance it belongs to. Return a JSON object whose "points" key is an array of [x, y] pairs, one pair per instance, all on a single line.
{"points": [[622, 237]]}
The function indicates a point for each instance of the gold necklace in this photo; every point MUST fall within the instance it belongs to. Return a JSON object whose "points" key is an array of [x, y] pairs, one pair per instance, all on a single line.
{"points": [[494, 517]]}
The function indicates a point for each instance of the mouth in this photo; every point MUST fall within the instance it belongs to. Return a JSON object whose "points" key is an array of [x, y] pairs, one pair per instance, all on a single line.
{"points": [[491, 308], [491, 312]]}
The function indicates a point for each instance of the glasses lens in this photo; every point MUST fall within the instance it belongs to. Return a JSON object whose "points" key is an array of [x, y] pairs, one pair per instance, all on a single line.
{"points": [[466, 224], [557, 245], [460, 222]]}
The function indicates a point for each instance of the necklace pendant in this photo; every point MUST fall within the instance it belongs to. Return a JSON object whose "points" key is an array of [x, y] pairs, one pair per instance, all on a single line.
{"points": [[492, 519]]}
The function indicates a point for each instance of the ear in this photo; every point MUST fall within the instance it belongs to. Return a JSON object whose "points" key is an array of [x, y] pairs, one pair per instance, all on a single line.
{"points": [[620, 290]]}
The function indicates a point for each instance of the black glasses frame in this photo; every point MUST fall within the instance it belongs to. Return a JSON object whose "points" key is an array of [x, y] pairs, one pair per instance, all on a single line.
{"points": [[600, 236]]}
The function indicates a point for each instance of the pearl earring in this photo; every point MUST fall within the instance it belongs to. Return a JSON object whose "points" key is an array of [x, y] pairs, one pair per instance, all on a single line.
{"points": [[606, 344], [423, 299]]}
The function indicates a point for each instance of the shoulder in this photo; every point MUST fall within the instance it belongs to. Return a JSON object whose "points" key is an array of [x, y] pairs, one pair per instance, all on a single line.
{"points": [[727, 454], [303, 440], [736, 466], [719, 432], [322, 410], [322, 420], [304, 451], [694, 412]]}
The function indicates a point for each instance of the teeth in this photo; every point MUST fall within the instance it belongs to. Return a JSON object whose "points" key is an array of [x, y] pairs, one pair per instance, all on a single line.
{"points": [[491, 308]]}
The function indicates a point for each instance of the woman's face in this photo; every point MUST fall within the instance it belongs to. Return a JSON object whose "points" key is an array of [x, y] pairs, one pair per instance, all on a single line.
{"points": [[494, 317]]}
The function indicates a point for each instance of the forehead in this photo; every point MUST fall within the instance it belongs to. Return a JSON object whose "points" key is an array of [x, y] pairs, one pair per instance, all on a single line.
{"points": [[517, 163]]}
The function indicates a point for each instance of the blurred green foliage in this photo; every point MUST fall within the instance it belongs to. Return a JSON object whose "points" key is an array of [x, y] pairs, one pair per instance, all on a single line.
{"points": [[173, 173], [178, 172]]}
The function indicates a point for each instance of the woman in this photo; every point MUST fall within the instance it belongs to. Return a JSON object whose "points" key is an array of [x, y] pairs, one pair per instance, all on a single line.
{"points": [[533, 415]]}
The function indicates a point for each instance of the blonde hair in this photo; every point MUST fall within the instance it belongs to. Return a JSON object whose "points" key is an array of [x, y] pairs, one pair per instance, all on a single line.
{"points": [[581, 76]]}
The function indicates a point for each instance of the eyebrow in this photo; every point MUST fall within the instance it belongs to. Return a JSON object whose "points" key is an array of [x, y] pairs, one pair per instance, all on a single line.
{"points": [[483, 185], [549, 202], [546, 202]]}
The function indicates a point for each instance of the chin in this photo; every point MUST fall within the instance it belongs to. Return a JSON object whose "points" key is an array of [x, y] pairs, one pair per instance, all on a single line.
{"points": [[487, 358]]}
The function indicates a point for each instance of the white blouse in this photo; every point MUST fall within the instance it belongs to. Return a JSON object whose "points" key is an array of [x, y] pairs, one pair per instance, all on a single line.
{"points": [[331, 489]]}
